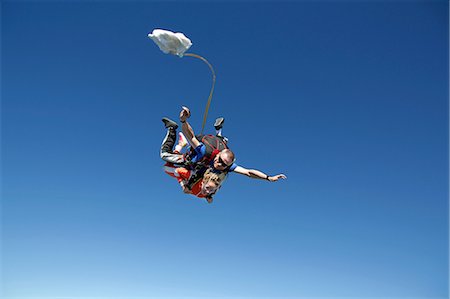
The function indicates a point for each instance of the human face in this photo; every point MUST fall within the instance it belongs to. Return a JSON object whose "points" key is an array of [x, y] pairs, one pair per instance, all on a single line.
{"points": [[222, 161], [208, 188]]}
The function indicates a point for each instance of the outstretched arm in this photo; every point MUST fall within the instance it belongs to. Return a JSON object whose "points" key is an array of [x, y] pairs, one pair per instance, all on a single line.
{"points": [[186, 127], [256, 174]]}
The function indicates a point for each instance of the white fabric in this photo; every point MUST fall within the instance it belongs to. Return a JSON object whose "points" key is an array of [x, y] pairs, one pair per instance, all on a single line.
{"points": [[170, 42]]}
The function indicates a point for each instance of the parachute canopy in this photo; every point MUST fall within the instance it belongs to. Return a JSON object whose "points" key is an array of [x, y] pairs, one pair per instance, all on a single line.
{"points": [[170, 42]]}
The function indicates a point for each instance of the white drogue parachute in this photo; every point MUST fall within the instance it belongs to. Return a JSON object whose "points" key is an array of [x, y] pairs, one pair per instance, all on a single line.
{"points": [[177, 44], [170, 42]]}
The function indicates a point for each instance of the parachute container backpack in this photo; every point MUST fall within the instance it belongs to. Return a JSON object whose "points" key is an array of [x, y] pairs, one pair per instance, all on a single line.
{"points": [[177, 44], [214, 145]]}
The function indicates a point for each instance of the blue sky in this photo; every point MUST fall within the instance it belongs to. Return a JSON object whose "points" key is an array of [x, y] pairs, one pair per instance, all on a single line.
{"points": [[348, 99]]}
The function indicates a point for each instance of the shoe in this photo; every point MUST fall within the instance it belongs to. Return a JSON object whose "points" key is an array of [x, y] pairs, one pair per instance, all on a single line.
{"points": [[219, 123], [168, 123]]}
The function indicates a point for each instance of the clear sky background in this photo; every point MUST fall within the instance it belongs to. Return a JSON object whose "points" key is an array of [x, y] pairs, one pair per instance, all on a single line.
{"points": [[348, 99]]}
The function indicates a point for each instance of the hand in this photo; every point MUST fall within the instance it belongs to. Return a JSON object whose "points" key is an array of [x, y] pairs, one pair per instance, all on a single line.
{"points": [[277, 177], [186, 189], [184, 113], [209, 199]]}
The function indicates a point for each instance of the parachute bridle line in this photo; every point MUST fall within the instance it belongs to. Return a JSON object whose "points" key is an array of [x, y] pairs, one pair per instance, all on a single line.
{"points": [[205, 115]]}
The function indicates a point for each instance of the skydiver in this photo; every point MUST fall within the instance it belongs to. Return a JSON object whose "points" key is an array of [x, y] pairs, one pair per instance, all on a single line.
{"points": [[222, 161], [204, 186]]}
